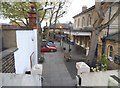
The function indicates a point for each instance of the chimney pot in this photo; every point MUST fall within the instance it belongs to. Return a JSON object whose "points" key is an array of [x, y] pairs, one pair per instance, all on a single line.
{"points": [[84, 8]]}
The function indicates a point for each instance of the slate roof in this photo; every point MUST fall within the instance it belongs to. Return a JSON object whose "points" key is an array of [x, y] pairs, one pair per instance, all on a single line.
{"points": [[85, 29], [85, 11], [114, 37], [63, 25]]}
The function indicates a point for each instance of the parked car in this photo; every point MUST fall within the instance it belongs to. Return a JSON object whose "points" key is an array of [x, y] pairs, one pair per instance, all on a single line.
{"points": [[48, 49], [51, 44], [44, 43]]}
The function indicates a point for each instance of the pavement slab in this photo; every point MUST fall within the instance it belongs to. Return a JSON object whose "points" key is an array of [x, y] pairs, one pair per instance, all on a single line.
{"points": [[55, 72]]}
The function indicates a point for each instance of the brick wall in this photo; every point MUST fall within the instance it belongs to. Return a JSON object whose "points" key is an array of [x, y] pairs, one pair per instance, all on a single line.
{"points": [[116, 50]]}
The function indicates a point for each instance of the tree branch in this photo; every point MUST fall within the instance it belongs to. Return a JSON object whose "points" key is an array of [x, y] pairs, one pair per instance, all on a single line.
{"points": [[15, 22], [44, 12], [111, 20], [22, 21], [99, 9], [106, 6]]}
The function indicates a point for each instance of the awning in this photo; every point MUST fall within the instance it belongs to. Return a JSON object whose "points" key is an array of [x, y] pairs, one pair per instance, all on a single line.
{"points": [[78, 33]]}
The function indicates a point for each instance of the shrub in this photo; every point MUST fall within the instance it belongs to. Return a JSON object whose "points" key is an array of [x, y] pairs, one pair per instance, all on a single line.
{"points": [[102, 65]]}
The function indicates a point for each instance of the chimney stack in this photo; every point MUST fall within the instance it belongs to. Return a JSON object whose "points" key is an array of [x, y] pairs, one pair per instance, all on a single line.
{"points": [[32, 17], [84, 8]]}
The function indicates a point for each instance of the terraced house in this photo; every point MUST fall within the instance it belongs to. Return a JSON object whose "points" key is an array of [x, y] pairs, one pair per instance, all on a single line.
{"points": [[82, 32]]}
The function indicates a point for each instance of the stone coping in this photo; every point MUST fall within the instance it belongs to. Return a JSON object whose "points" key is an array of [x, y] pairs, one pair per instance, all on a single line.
{"points": [[7, 52]]}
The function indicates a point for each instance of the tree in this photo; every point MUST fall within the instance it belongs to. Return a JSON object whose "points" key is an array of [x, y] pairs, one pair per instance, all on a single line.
{"points": [[98, 26], [58, 10], [15, 11], [18, 11]]}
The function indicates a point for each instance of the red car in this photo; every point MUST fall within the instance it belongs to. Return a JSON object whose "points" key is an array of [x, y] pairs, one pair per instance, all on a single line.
{"points": [[48, 49]]}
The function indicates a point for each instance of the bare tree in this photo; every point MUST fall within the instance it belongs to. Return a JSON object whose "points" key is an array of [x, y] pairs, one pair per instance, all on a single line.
{"points": [[58, 10], [97, 27]]}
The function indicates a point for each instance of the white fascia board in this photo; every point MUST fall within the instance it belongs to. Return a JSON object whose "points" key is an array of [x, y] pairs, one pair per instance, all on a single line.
{"points": [[78, 33]]}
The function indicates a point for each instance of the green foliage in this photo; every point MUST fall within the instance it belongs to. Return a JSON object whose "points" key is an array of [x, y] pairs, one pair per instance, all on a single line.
{"points": [[15, 10], [18, 11], [102, 64]]}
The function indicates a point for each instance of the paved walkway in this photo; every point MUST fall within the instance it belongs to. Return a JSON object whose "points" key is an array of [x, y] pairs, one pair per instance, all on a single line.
{"points": [[55, 71], [76, 53]]}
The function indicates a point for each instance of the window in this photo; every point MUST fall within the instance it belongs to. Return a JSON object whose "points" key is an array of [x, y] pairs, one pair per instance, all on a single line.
{"points": [[110, 53], [83, 22], [75, 23], [78, 22], [89, 20]]}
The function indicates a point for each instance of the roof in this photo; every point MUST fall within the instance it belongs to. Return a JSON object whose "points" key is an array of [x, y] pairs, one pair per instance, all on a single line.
{"points": [[114, 37], [12, 27], [60, 25], [85, 11], [85, 29]]}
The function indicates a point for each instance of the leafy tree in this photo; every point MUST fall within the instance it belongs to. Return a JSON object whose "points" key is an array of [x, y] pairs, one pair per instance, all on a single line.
{"points": [[16, 11]]}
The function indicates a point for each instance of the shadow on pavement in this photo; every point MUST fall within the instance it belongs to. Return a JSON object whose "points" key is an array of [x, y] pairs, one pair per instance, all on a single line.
{"points": [[71, 67]]}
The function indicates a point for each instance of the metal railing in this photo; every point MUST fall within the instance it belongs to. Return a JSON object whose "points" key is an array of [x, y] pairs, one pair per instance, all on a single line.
{"points": [[31, 59]]}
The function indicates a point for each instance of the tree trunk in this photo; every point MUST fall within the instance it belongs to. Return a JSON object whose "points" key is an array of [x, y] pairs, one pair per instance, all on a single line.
{"points": [[91, 56]]}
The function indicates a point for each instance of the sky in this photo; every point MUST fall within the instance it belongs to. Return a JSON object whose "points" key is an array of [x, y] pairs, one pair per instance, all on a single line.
{"points": [[74, 9]]}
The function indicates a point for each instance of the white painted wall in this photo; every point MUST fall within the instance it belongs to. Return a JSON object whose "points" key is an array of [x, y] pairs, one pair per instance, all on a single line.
{"points": [[26, 44], [35, 43], [97, 78], [20, 80]]}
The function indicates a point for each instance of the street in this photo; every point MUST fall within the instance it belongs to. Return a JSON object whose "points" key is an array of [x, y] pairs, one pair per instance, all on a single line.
{"points": [[55, 71]]}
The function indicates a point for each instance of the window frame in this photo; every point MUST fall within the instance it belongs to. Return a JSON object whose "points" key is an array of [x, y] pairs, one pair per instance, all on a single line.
{"points": [[110, 53]]}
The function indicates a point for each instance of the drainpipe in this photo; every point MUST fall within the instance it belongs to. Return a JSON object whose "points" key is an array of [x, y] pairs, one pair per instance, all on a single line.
{"points": [[109, 20], [104, 40]]}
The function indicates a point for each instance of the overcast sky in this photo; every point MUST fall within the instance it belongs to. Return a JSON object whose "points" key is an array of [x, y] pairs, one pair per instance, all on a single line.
{"points": [[75, 8]]}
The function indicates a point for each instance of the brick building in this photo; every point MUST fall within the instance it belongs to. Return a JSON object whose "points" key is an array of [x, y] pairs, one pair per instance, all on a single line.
{"points": [[112, 50], [83, 23]]}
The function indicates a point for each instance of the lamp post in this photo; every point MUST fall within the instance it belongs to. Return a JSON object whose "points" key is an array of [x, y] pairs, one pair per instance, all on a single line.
{"points": [[60, 35], [70, 26]]}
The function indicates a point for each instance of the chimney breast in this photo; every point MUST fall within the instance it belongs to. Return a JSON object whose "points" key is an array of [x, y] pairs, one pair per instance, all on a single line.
{"points": [[32, 17], [84, 8]]}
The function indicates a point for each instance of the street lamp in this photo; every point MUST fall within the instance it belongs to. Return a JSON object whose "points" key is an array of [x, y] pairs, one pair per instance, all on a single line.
{"points": [[70, 26], [60, 35]]}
